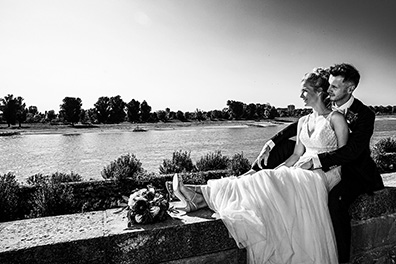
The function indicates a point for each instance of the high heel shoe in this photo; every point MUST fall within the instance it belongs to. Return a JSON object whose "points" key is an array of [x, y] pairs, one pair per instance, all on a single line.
{"points": [[169, 188], [189, 205]]}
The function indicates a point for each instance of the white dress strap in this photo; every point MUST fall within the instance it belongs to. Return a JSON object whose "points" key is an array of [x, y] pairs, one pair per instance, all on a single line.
{"points": [[329, 115]]}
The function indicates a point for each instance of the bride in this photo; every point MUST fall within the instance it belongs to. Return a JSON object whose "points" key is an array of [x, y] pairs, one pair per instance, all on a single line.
{"points": [[281, 215]]}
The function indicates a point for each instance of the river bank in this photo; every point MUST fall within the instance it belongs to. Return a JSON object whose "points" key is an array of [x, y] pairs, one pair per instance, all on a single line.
{"points": [[38, 128]]}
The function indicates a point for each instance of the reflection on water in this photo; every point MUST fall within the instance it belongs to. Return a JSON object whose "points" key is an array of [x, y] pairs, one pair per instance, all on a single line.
{"points": [[87, 154]]}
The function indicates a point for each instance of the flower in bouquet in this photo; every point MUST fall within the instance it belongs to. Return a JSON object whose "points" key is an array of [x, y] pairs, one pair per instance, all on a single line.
{"points": [[147, 206]]}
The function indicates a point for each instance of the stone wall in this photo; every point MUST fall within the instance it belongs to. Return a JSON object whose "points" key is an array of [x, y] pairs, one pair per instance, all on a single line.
{"points": [[103, 237], [107, 194]]}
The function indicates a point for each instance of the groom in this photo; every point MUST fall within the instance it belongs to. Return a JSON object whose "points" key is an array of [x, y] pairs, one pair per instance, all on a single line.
{"points": [[359, 172]]}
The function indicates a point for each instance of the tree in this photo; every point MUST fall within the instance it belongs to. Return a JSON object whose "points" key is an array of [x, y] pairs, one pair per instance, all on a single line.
{"points": [[199, 115], [9, 109], [71, 109], [273, 113], [133, 110], [102, 109], [260, 111], [14, 109], [117, 110], [216, 114], [21, 110], [83, 116], [51, 115], [250, 112], [162, 116], [236, 109], [33, 110], [92, 115], [180, 115], [153, 117], [187, 115], [225, 113], [145, 110]]}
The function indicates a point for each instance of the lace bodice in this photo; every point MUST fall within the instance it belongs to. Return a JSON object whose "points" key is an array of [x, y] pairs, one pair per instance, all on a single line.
{"points": [[322, 138]]}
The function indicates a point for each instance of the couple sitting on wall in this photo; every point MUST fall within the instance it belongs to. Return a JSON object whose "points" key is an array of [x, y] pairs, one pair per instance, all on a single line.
{"points": [[292, 206]]}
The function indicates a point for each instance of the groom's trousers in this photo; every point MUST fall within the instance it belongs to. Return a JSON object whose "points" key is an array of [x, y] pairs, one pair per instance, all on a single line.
{"points": [[340, 199]]}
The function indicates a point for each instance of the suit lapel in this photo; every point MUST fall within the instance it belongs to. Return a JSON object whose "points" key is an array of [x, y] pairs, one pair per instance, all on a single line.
{"points": [[352, 114]]}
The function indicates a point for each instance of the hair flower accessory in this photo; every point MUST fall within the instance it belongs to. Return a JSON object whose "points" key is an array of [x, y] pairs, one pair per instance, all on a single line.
{"points": [[350, 116], [146, 206]]}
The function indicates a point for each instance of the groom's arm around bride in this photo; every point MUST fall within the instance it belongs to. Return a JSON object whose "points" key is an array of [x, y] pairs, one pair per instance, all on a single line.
{"points": [[359, 172]]}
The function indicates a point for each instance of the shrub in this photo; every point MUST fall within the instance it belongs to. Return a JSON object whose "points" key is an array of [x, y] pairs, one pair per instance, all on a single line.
{"points": [[239, 165], [213, 161], [384, 154], [36, 179], [126, 166], [9, 197], [181, 162], [197, 178], [57, 177], [151, 178], [64, 177], [51, 196]]}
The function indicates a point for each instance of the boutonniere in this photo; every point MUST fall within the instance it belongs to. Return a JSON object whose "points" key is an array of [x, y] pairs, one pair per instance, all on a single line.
{"points": [[350, 116]]}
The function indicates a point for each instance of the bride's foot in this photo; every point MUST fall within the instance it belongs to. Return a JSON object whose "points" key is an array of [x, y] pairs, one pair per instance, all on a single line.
{"points": [[172, 196], [191, 198]]}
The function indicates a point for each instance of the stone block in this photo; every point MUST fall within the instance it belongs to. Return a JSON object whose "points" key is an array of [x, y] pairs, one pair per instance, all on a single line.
{"points": [[373, 233]]}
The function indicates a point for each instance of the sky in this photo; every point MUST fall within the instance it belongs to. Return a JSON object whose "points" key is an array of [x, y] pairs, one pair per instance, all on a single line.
{"points": [[191, 54]]}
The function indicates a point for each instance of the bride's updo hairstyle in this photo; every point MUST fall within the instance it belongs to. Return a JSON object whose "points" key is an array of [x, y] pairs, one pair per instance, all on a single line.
{"points": [[319, 78]]}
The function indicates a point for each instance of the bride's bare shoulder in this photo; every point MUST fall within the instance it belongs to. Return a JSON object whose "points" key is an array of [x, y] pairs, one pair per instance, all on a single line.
{"points": [[338, 119]]}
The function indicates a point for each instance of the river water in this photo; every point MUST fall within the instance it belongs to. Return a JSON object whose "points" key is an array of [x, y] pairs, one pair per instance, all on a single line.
{"points": [[88, 153]]}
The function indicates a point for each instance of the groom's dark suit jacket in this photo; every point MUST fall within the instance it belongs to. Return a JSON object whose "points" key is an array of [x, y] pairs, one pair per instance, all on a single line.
{"points": [[359, 171], [358, 168]]}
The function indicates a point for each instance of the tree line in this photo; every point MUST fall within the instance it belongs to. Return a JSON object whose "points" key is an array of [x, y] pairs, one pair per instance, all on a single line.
{"points": [[113, 110]]}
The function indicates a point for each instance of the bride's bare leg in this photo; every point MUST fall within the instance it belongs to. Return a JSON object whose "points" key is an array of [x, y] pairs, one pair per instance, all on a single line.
{"points": [[196, 188]]}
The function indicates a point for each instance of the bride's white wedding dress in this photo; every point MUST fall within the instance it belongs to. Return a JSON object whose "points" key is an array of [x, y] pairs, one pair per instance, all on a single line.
{"points": [[281, 216]]}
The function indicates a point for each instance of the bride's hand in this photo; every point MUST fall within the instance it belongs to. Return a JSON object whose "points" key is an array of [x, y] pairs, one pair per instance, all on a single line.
{"points": [[264, 154], [304, 164]]}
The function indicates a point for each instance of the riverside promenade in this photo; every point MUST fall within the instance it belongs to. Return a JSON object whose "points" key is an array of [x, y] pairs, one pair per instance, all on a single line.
{"points": [[103, 236]]}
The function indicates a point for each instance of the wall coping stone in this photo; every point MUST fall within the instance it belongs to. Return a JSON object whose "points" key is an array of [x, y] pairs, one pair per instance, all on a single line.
{"points": [[103, 236]]}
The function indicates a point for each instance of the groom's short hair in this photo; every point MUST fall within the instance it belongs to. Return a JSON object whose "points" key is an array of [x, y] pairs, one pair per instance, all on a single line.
{"points": [[348, 71]]}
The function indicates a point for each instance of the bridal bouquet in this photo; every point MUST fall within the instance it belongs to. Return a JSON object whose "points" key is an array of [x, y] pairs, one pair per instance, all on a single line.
{"points": [[146, 206]]}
